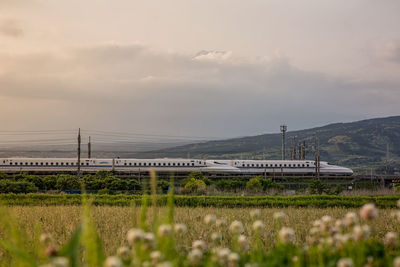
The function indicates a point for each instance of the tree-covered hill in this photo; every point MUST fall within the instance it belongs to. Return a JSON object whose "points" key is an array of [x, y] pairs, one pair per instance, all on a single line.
{"points": [[358, 143]]}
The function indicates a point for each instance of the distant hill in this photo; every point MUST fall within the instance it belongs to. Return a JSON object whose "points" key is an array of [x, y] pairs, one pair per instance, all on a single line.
{"points": [[348, 144]]}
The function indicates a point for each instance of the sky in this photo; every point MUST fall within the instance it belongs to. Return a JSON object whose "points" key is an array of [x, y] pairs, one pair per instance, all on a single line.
{"points": [[220, 68]]}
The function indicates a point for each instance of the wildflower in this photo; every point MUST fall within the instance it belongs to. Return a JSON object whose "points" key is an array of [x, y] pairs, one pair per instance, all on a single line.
{"points": [[243, 242], [286, 235], [156, 256], [216, 237], [396, 215], [146, 264], [164, 230], [60, 262], [164, 264], [180, 228], [279, 216], [210, 219], [391, 239], [220, 222], [350, 219], [123, 253], [314, 231], [149, 240], [199, 244], [339, 224], [398, 203], [396, 262], [368, 212], [361, 232], [195, 256], [295, 259], [255, 213], [258, 226], [45, 238], [345, 262], [236, 227], [326, 223], [233, 259], [223, 255], [134, 235], [112, 261]]}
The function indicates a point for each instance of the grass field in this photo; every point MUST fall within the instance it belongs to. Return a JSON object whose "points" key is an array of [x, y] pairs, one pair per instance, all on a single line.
{"points": [[113, 222]]}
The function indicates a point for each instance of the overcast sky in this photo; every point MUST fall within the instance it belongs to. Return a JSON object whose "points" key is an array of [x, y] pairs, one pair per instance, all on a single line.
{"points": [[217, 68]]}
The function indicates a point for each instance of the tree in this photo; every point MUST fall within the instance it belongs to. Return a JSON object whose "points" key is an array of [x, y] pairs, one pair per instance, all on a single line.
{"points": [[195, 186], [317, 187], [254, 184], [67, 182]]}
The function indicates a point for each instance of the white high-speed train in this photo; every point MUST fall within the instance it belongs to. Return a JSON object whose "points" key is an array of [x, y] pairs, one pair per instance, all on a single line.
{"points": [[268, 167]]}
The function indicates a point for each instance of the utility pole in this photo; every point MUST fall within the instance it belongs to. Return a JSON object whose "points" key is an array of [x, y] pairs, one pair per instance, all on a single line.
{"points": [[283, 130], [79, 153], [316, 147], [89, 149], [387, 159]]}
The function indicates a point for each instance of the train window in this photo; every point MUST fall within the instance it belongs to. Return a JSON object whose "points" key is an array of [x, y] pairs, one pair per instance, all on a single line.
{"points": [[244, 165], [47, 163], [134, 164], [41, 163], [248, 165], [163, 164], [178, 164], [303, 165], [37, 163], [290, 165], [173, 164], [125, 163], [192, 164], [276, 165], [87, 163], [26, 163], [284, 165], [20, 163], [159, 164], [31, 163], [66, 163], [81, 163], [130, 163], [62, 163], [144, 163], [308, 165]]}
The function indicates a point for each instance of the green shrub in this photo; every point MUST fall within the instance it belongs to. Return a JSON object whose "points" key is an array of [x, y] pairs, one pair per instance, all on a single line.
{"points": [[254, 184], [104, 191], [195, 186], [10, 186]]}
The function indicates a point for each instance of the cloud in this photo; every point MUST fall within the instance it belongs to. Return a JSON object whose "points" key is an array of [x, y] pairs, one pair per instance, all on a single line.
{"points": [[10, 28], [135, 87], [388, 50]]}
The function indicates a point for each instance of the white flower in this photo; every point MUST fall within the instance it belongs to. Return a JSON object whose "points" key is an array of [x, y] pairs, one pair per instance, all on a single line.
{"points": [[391, 239], [286, 235], [345, 262], [164, 264], [149, 240], [258, 226], [134, 235], [113, 261], [60, 262], [255, 213], [243, 242], [396, 262], [350, 219], [123, 253], [195, 256], [216, 237], [180, 228], [368, 212], [164, 230], [45, 238], [223, 254], [220, 222], [233, 259], [361, 232], [236, 227], [156, 256], [279, 216], [199, 244], [210, 219], [316, 223]]}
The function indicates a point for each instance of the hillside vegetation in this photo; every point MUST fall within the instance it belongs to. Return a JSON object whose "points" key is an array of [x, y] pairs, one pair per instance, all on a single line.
{"points": [[352, 144]]}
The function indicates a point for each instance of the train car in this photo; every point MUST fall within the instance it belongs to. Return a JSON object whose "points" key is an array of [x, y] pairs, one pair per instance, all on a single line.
{"points": [[267, 167]]}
